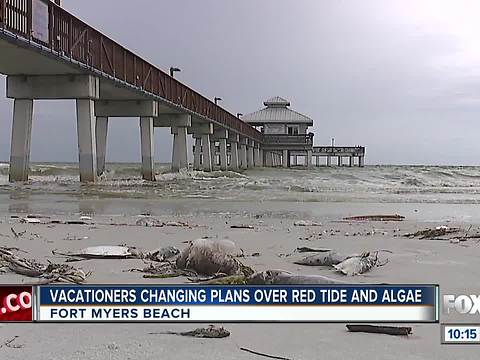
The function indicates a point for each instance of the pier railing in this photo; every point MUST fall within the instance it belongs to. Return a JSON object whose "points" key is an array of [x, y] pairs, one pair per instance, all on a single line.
{"points": [[46, 24], [339, 150], [285, 139]]}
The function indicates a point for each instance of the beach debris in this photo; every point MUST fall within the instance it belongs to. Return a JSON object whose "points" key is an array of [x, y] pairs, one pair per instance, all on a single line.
{"points": [[306, 223], [263, 354], [374, 329], [223, 280], [10, 343], [148, 222], [71, 237], [176, 224], [282, 277], [395, 217], [323, 259], [162, 254], [28, 220], [251, 227], [50, 272], [162, 270], [17, 234], [434, 233], [303, 249], [209, 257], [209, 332], [75, 222], [86, 218], [356, 265], [311, 237]]}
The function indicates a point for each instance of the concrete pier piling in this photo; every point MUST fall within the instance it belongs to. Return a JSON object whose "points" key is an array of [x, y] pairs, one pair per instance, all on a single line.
{"points": [[234, 139], [87, 144], [21, 138], [146, 138], [223, 154], [179, 151], [197, 154], [207, 163], [250, 159], [101, 139], [243, 154]]}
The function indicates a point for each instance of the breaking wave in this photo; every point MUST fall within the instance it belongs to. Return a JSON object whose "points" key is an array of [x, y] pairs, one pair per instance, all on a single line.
{"points": [[434, 184]]}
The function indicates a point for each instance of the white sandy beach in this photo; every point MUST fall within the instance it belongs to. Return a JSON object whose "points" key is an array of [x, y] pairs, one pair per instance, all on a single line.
{"points": [[453, 266]]}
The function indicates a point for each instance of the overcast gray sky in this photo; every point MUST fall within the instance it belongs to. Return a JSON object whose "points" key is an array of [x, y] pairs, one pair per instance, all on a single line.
{"points": [[401, 77]]}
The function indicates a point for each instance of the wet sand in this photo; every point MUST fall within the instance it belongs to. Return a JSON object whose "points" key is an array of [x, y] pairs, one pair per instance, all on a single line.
{"points": [[454, 266]]}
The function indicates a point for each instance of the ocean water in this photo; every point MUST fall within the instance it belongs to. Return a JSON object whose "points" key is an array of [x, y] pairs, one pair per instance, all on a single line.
{"points": [[371, 184]]}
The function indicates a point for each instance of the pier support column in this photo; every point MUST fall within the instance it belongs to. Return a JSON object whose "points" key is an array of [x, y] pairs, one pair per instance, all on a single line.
{"points": [[285, 157], [250, 159], [329, 161], [256, 156], [146, 138], [213, 153], [206, 153], [223, 154], [21, 138], [308, 159], [295, 160], [350, 163], [243, 153], [179, 153], [201, 132], [197, 153], [101, 132], [361, 161], [233, 139], [87, 141]]}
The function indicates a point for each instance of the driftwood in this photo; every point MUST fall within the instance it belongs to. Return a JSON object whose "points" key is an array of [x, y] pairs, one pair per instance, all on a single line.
{"points": [[375, 218], [210, 332], [250, 227], [263, 354], [303, 249], [374, 329]]}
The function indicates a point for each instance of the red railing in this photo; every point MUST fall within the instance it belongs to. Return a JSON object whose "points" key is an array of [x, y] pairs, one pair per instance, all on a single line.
{"points": [[45, 23]]}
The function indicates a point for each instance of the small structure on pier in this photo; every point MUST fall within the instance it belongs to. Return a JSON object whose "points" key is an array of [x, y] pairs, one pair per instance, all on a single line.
{"points": [[286, 135]]}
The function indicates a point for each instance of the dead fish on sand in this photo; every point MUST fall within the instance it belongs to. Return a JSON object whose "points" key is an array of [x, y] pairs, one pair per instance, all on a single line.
{"points": [[358, 264], [209, 257], [323, 259], [281, 277], [210, 332], [101, 252]]}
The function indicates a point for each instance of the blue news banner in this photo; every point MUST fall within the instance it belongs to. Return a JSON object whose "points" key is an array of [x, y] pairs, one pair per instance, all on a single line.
{"points": [[309, 303]]}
